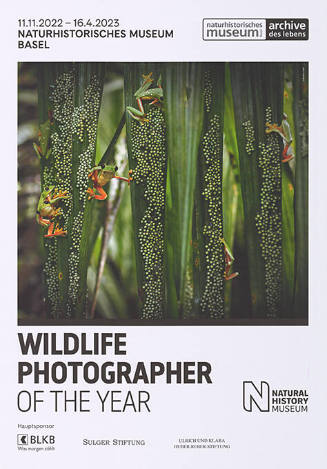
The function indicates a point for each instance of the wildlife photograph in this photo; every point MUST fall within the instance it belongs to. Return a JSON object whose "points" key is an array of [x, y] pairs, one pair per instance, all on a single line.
{"points": [[163, 193]]}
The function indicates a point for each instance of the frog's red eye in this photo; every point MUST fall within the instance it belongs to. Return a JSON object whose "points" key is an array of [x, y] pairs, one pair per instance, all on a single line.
{"points": [[46, 188]]}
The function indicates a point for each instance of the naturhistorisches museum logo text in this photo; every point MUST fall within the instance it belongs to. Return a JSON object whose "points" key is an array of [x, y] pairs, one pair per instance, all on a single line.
{"points": [[255, 29]]}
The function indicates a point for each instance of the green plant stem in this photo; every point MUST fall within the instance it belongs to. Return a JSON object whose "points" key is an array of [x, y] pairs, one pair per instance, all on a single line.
{"points": [[110, 215], [182, 84], [146, 143], [73, 97], [108, 156], [208, 250], [258, 88]]}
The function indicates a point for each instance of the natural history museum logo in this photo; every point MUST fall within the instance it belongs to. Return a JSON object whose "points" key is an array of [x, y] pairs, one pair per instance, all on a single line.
{"points": [[261, 397]]}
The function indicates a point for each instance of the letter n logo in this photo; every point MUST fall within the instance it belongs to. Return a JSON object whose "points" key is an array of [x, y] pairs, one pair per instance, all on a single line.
{"points": [[256, 395]]}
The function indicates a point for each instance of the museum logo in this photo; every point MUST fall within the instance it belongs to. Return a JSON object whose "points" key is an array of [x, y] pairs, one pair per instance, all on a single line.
{"points": [[261, 397], [255, 29]]}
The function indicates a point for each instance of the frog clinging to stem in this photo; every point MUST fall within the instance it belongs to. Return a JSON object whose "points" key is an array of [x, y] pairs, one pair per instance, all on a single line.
{"points": [[145, 93], [47, 211], [42, 149], [229, 259], [284, 130], [100, 176]]}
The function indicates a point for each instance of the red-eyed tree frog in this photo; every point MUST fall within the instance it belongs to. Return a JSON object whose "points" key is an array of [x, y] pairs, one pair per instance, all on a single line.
{"points": [[46, 211], [145, 93], [100, 176], [42, 150], [284, 130], [229, 259]]}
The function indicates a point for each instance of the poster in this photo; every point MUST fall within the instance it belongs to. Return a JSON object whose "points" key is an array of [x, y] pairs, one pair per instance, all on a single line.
{"points": [[166, 304]]}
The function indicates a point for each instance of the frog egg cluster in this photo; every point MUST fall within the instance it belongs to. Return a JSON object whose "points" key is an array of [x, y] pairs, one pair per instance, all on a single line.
{"points": [[213, 297], [47, 176], [149, 150], [50, 275], [59, 174], [207, 90], [84, 127], [73, 261], [249, 137], [61, 138], [84, 117], [268, 113], [269, 219], [71, 124]]}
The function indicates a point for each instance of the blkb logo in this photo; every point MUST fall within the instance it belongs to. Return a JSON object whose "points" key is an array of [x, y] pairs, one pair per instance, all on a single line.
{"points": [[22, 439], [35, 439], [256, 395]]}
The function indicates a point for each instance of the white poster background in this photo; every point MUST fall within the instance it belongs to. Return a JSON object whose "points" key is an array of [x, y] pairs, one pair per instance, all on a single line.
{"points": [[286, 357]]}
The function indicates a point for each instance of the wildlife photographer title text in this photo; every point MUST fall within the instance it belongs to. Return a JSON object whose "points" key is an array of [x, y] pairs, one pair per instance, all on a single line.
{"points": [[78, 372]]}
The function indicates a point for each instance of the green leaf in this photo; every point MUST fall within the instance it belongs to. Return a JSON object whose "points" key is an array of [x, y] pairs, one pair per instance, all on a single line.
{"points": [[72, 95], [146, 142], [182, 84], [258, 97], [208, 249]]}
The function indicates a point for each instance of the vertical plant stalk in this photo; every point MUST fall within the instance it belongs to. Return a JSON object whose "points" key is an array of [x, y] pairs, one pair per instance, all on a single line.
{"points": [[74, 101], [246, 122], [184, 110], [110, 215], [288, 240], [258, 98], [99, 209], [233, 208], [300, 111], [148, 160], [108, 156], [105, 214], [210, 262]]}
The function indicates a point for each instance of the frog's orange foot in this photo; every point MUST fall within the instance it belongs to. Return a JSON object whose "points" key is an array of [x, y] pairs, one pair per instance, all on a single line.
{"points": [[287, 158], [287, 154], [57, 212], [230, 277], [43, 221], [130, 178], [60, 232], [57, 232], [91, 193], [155, 101], [142, 119], [60, 194], [102, 196], [273, 128], [147, 78]]}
